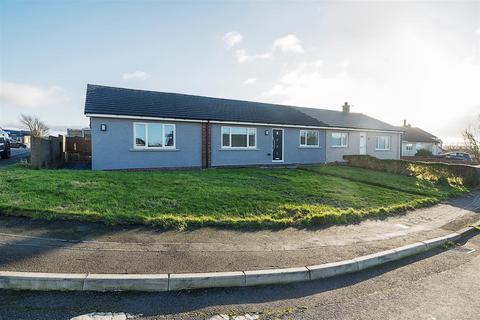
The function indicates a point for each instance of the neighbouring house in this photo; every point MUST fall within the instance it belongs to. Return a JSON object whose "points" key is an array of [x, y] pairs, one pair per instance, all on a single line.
{"points": [[415, 139], [81, 133], [146, 129]]}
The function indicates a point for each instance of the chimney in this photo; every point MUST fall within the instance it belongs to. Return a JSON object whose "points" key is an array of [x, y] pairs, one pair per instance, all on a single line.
{"points": [[405, 122], [346, 107]]}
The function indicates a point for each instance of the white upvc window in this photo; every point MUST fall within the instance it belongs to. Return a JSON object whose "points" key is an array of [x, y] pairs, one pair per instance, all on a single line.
{"points": [[409, 147], [309, 138], [239, 138], [339, 139], [154, 135], [383, 143]]}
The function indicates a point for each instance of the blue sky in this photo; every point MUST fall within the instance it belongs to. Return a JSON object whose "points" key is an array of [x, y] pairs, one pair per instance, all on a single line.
{"points": [[394, 61]]}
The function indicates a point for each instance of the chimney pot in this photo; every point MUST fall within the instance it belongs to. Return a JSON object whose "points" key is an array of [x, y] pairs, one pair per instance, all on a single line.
{"points": [[346, 107]]}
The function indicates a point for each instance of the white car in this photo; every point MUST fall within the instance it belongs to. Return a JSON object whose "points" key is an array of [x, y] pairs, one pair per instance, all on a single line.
{"points": [[4, 144]]}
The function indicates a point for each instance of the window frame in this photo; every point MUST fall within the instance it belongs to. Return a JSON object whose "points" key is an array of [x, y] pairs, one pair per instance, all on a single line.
{"points": [[384, 149], [146, 147], [342, 145], [409, 147], [306, 145], [229, 147]]}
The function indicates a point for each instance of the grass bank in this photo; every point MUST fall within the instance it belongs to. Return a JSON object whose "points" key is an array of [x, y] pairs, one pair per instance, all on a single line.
{"points": [[250, 197]]}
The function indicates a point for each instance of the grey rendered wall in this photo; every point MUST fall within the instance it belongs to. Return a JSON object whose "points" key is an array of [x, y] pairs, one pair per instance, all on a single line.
{"points": [[417, 146], [337, 153], [393, 153], [293, 153], [408, 153], [353, 147], [113, 149]]}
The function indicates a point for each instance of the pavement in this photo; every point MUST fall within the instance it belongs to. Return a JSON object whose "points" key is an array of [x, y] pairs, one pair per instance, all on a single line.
{"points": [[441, 284], [75, 247], [17, 154]]}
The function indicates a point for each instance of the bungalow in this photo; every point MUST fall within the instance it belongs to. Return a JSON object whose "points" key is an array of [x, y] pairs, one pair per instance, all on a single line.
{"points": [[146, 129], [415, 139]]}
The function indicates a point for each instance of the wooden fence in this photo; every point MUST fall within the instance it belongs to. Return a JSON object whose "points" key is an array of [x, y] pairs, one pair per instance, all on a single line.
{"points": [[55, 152], [78, 149]]}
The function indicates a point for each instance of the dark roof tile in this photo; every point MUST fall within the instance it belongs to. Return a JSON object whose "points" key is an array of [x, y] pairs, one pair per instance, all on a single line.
{"points": [[413, 134], [129, 102]]}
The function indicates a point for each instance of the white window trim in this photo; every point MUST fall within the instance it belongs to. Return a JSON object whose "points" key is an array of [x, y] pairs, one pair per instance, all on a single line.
{"points": [[163, 147], [248, 147], [339, 146], [409, 146], [306, 134], [385, 149]]}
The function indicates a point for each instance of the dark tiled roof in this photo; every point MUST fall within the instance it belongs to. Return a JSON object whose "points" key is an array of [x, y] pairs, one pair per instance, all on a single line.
{"points": [[348, 119], [413, 134], [130, 102]]}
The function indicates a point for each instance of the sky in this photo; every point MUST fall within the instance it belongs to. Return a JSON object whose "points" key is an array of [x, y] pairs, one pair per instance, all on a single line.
{"points": [[418, 61]]}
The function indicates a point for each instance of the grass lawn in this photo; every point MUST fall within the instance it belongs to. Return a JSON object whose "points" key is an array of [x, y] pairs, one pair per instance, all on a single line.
{"points": [[250, 197]]}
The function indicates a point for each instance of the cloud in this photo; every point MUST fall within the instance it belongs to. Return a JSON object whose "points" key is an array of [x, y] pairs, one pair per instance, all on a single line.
{"points": [[232, 38], [307, 84], [426, 92], [242, 56], [477, 31], [250, 81], [288, 44], [28, 96], [136, 75]]}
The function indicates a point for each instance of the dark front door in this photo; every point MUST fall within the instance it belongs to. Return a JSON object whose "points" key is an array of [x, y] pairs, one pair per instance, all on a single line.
{"points": [[277, 145]]}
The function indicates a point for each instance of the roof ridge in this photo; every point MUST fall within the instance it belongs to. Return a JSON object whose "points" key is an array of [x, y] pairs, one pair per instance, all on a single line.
{"points": [[138, 102]]}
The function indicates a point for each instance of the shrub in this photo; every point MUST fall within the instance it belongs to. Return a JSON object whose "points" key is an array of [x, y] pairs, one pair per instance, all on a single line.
{"points": [[423, 153], [454, 174]]}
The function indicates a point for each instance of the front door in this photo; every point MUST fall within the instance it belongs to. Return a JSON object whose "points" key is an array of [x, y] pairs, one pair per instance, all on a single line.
{"points": [[277, 154], [363, 143]]}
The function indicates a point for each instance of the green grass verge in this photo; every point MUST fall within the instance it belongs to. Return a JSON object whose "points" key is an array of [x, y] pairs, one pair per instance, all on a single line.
{"points": [[389, 180], [249, 197]]}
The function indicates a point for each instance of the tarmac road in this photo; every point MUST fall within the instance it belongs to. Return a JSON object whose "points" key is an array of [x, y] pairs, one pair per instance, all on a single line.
{"points": [[17, 154], [444, 284]]}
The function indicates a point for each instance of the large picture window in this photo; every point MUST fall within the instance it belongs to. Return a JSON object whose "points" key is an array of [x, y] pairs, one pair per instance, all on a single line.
{"points": [[309, 138], [154, 136], [383, 143], [339, 139], [239, 137]]}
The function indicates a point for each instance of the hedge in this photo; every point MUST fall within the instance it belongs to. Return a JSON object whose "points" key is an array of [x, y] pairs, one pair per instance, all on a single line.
{"points": [[456, 174]]}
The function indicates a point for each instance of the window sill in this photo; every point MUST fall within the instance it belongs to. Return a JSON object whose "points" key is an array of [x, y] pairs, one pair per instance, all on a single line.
{"points": [[339, 147], [153, 150], [383, 150], [238, 149], [309, 147]]}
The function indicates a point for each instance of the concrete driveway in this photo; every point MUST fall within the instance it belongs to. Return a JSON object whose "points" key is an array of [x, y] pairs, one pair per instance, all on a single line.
{"points": [[16, 155]]}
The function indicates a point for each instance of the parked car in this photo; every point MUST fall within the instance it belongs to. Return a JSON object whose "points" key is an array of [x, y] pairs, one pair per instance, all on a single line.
{"points": [[463, 156], [4, 144], [17, 144]]}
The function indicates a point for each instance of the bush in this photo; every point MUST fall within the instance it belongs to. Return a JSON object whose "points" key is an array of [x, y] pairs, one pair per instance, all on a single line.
{"points": [[423, 153], [454, 174]]}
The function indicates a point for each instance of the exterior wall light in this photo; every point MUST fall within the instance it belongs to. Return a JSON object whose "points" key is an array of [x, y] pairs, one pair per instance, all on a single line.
{"points": [[103, 127]]}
